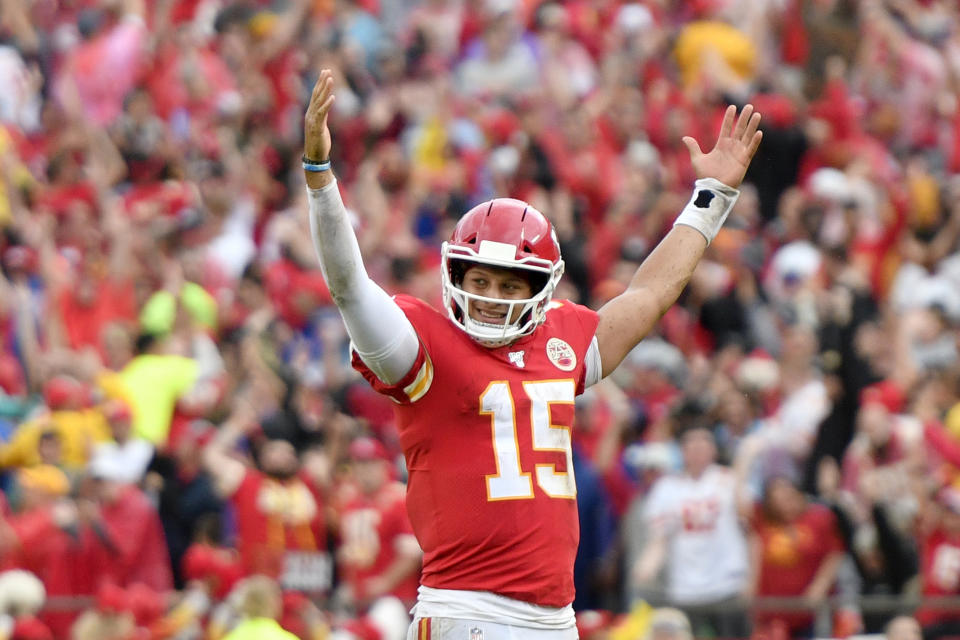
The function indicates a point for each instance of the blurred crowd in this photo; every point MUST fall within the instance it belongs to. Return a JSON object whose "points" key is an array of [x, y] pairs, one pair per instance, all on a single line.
{"points": [[185, 450]]}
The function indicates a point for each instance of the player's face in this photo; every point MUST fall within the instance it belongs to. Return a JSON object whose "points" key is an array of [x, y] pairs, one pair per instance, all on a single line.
{"points": [[493, 282]]}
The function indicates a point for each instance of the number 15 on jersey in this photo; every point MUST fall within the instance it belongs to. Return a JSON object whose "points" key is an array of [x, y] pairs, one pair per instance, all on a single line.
{"points": [[511, 482]]}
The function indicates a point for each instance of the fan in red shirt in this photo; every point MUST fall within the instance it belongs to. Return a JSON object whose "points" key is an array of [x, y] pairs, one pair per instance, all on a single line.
{"points": [[378, 552], [50, 538], [799, 551], [278, 509], [940, 566], [132, 525], [485, 386]]}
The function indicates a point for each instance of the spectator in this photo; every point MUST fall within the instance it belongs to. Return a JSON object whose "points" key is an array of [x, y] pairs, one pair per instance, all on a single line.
{"points": [[378, 553], [939, 571], [153, 381], [76, 426], [691, 515], [500, 63], [259, 605], [798, 551], [22, 597], [902, 628], [50, 538], [669, 624], [279, 510], [139, 552], [128, 456], [189, 506]]}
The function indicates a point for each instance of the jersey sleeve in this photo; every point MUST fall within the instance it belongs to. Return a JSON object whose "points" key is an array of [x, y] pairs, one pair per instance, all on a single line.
{"points": [[417, 381], [585, 321]]}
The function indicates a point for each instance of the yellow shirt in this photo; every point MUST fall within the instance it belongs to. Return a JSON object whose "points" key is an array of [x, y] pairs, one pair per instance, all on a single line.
{"points": [[697, 40], [152, 384], [78, 431], [259, 629]]}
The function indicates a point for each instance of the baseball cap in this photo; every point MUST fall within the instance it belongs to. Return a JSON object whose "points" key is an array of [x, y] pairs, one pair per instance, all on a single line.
{"points": [[63, 392], [117, 411], [366, 449], [885, 393]]}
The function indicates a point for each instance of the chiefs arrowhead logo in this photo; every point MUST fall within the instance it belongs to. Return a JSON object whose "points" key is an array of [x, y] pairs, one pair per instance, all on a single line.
{"points": [[561, 354]]}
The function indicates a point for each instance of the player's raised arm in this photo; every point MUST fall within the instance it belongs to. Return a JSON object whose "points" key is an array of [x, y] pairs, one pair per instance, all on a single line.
{"points": [[626, 319], [381, 333]]}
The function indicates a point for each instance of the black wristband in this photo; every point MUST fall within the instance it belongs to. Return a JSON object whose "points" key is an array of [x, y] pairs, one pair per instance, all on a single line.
{"points": [[312, 161]]}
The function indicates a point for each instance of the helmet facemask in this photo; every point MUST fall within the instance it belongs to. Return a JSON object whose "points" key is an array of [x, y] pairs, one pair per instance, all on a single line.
{"points": [[542, 274]]}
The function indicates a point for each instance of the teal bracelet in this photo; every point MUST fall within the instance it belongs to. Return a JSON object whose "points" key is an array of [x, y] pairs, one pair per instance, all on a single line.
{"points": [[314, 166]]}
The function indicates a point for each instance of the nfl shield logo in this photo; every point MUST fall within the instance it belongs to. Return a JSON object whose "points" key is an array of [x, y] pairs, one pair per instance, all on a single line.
{"points": [[476, 633]]}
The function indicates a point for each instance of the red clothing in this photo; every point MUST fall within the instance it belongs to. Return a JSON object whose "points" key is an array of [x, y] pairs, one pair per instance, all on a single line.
{"points": [[486, 439], [69, 562], [169, 90], [280, 531], [792, 555], [940, 572], [137, 536], [294, 292], [219, 567], [84, 322], [860, 458], [60, 199], [370, 529]]}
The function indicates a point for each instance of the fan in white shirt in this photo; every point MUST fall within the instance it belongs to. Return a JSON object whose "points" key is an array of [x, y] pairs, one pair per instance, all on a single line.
{"points": [[125, 458], [696, 535]]}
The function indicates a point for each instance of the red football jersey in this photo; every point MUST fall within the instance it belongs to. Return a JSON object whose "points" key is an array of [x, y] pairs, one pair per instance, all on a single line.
{"points": [[792, 555], [940, 571], [281, 532], [370, 528], [486, 436]]}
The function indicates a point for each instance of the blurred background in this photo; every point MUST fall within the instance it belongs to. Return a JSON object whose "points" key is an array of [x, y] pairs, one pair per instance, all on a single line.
{"points": [[186, 452]]}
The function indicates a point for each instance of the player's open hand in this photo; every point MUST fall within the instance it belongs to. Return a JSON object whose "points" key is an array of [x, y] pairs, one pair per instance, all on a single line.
{"points": [[731, 155], [316, 134]]}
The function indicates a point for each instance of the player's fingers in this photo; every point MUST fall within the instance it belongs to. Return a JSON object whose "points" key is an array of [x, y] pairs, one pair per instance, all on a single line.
{"points": [[325, 107], [742, 122], [321, 89], [752, 127], [692, 146], [755, 142], [318, 86], [727, 125]]}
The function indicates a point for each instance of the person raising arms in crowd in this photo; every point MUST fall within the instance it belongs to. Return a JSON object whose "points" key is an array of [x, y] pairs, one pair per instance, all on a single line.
{"points": [[484, 388]]}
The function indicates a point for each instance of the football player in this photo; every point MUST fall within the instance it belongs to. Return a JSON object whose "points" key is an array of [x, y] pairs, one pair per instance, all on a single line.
{"points": [[484, 388]]}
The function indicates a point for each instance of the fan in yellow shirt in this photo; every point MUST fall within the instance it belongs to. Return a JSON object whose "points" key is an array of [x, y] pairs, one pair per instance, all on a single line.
{"points": [[78, 428], [152, 383]]}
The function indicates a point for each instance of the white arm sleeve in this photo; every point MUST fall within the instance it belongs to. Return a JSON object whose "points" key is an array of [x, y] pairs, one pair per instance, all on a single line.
{"points": [[592, 364], [381, 333]]}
